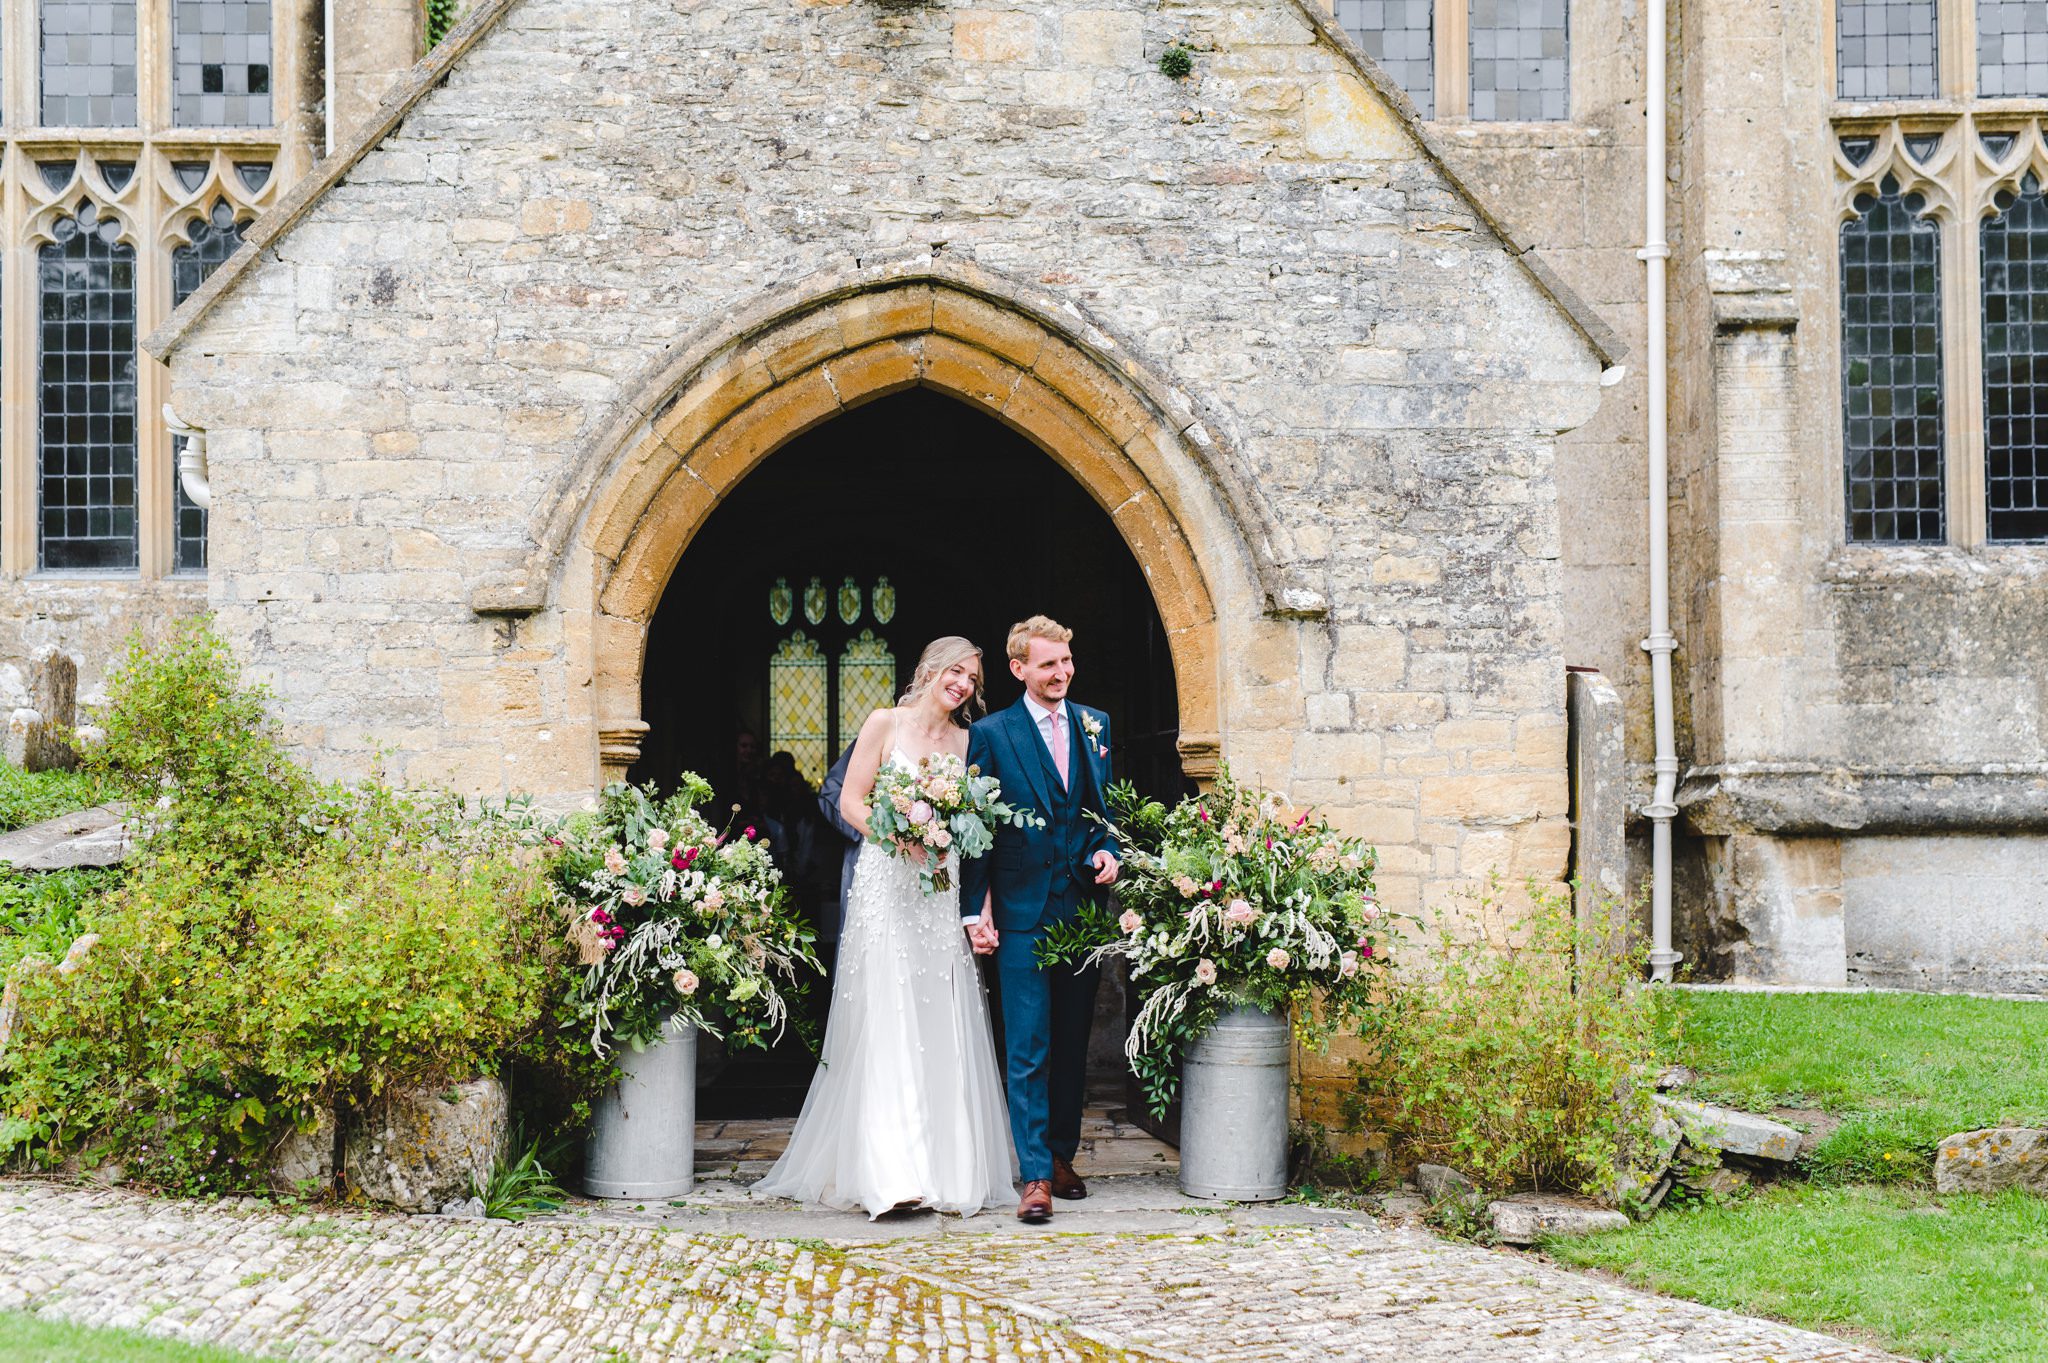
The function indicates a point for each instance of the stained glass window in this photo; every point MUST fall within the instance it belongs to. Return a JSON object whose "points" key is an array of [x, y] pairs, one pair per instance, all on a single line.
{"points": [[1891, 370], [88, 63], [1885, 49], [220, 63], [2012, 47], [1397, 34], [2015, 293], [210, 241], [1519, 66], [867, 682], [797, 715]]}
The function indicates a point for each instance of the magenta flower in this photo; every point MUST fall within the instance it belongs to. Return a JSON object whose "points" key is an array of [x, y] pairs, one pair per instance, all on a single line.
{"points": [[750, 833]]}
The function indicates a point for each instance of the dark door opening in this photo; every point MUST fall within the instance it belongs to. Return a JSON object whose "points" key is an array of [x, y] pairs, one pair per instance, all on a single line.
{"points": [[805, 600]]}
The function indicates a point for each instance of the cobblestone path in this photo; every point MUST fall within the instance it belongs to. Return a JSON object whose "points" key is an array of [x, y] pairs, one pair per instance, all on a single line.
{"points": [[310, 1286]]}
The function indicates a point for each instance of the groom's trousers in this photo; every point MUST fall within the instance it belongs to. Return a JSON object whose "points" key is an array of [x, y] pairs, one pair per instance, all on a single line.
{"points": [[1047, 1015]]}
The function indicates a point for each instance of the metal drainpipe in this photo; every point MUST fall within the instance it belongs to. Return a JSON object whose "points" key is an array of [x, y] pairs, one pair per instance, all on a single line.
{"points": [[1656, 251], [192, 472]]}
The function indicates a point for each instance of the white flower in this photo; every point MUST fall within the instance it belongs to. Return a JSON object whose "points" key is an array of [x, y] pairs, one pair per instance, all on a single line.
{"points": [[1278, 958], [714, 941], [686, 983], [657, 838], [1091, 725], [1205, 971]]}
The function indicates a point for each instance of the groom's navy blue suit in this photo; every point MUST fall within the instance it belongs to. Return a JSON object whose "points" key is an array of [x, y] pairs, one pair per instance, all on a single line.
{"points": [[1038, 877]]}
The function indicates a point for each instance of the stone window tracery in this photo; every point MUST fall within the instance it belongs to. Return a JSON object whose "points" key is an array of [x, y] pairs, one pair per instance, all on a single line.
{"points": [[113, 103], [85, 281], [1513, 55], [1943, 289]]}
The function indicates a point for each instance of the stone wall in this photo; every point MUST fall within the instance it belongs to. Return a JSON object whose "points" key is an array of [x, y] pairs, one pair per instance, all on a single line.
{"points": [[400, 392]]}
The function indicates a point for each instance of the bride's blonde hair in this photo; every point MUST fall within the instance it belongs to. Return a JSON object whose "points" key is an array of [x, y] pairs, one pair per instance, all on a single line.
{"points": [[939, 655]]}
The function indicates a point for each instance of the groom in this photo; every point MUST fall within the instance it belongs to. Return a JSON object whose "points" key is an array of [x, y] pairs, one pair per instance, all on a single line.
{"points": [[1052, 755]]}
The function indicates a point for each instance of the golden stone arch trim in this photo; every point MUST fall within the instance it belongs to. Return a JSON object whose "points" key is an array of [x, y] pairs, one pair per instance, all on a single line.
{"points": [[737, 405]]}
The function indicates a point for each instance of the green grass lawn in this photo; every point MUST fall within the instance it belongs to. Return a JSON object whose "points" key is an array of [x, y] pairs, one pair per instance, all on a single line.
{"points": [[32, 1339], [1900, 1070], [1958, 1278], [1865, 1246]]}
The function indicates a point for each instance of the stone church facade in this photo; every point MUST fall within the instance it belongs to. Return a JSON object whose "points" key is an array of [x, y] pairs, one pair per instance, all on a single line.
{"points": [[1345, 337]]}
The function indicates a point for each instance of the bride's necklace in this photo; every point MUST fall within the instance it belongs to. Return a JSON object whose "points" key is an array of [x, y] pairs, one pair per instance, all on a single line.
{"points": [[930, 735]]}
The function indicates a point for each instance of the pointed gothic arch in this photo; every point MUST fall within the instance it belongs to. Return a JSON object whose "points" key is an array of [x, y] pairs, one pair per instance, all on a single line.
{"points": [[728, 405]]}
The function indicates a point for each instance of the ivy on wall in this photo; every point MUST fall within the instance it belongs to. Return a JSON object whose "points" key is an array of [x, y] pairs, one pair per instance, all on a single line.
{"points": [[441, 16]]}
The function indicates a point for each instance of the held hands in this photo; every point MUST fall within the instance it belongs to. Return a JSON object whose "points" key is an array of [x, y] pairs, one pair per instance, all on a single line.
{"points": [[981, 934], [1105, 867]]}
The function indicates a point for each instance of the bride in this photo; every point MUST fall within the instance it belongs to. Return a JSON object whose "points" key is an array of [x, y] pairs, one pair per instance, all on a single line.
{"points": [[907, 1107]]}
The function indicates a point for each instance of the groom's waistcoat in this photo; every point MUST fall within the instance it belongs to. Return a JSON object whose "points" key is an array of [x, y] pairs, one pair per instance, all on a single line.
{"points": [[1064, 821]]}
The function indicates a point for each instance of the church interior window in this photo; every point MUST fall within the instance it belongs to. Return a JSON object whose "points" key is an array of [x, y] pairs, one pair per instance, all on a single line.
{"points": [[2014, 244], [2012, 47], [797, 716], [1891, 369], [86, 281], [867, 682], [89, 63], [220, 63], [1398, 35], [1518, 59], [1885, 49]]}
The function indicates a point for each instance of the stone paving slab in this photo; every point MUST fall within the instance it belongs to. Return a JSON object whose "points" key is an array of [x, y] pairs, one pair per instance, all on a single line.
{"points": [[609, 1283]]}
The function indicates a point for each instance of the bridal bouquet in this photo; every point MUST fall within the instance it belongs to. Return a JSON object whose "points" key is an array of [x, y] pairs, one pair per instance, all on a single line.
{"points": [[941, 810], [1229, 897], [671, 917]]}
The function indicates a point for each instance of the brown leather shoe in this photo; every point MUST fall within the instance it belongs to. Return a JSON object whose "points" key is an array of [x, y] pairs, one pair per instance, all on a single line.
{"points": [[1065, 1182], [1035, 1208]]}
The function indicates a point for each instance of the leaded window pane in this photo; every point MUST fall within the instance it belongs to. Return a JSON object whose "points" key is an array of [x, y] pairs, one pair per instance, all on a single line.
{"points": [[867, 681], [797, 714], [1885, 49], [88, 63], [1399, 35], [1891, 371], [210, 241], [87, 390], [2012, 47], [1519, 59], [2015, 292], [220, 64]]}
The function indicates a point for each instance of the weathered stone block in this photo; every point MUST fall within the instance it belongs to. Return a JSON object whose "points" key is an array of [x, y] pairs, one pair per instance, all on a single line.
{"points": [[302, 1162], [1732, 1132], [417, 1149], [1529, 1217], [1993, 1160]]}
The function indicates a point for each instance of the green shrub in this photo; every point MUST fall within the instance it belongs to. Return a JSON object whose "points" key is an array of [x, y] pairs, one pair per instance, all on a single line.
{"points": [[39, 911], [1509, 1049], [277, 947]]}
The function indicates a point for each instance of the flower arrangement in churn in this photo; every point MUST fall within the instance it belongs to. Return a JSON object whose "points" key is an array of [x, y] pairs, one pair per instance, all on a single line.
{"points": [[1229, 898], [940, 813], [671, 917]]}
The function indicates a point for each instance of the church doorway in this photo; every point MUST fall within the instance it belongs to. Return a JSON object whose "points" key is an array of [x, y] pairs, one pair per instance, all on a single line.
{"points": [[806, 597]]}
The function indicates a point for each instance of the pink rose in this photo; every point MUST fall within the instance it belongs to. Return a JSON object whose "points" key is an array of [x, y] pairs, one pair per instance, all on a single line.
{"points": [[657, 838], [686, 983], [714, 899], [1240, 913], [614, 861], [1205, 971], [633, 895], [1130, 923], [941, 838], [1347, 964], [1278, 958], [1372, 911], [920, 812]]}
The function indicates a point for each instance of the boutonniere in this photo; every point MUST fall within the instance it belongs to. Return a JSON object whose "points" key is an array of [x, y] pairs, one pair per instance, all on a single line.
{"points": [[1092, 726]]}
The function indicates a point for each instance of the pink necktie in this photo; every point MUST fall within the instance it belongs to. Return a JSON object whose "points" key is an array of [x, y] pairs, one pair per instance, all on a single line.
{"points": [[1058, 744]]}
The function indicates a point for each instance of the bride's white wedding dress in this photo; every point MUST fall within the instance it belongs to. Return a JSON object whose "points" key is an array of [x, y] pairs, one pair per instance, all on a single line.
{"points": [[907, 1105]]}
